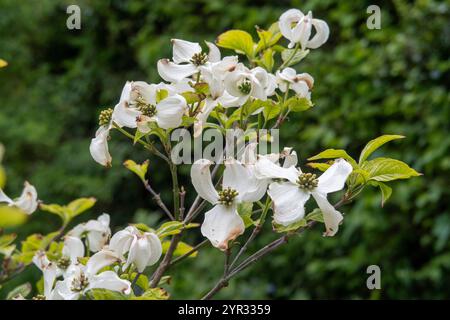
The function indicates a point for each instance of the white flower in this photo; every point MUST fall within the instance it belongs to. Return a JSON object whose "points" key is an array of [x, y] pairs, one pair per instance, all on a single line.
{"points": [[187, 59], [138, 106], [99, 146], [97, 232], [297, 28], [73, 249], [222, 223], [27, 202], [301, 83], [290, 196], [144, 249], [80, 279], [50, 272], [243, 83]]}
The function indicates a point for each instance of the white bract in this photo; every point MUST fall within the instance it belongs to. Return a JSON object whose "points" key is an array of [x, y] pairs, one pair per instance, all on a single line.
{"points": [[79, 279], [144, 248], [187, 58], [243, 83], [297, 28], [139, 105], [290, 196], [99, 146], [97, 232], [222, 223], [50, 272], [27, 202], [301, 83]]}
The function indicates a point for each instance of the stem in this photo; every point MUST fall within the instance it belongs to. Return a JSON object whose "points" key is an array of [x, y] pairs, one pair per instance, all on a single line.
{"points": [[255, 232], [182, 198], [158, 199], [189, 253], [146, 145], [166, 261], [286, 63]]}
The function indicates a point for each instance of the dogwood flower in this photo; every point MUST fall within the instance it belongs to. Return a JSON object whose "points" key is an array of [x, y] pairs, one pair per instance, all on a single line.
{"points": [[187, 58], [289, 197], [297, 27], [50, 272], [243, 83], [138, 106], [97, 232], [80, 278], [222, 223], [213, 73], [301, 83], [27, 202], [144, 248], [99, 146]]}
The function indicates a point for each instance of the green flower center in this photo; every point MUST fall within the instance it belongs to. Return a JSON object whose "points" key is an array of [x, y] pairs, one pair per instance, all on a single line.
{"points": [[227, 195], [199, 59], [39, 297], [147, 109], [79, 283], [63, 263], [245, 87], [307, 181], [105, 117]]}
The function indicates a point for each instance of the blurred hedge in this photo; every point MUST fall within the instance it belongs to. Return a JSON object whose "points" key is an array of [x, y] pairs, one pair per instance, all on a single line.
{"points": [[368, 82]]}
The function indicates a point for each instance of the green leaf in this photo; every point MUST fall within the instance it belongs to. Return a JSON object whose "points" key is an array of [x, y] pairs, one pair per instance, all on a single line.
{"points": [[181, 249], [297, 104], [271, 109], [142, 227], [139, 169], [153, 294], [21, 291], [11, 216], [386, 169], [315, 215], [173, 227], [70, 211], [237, 40], [333, 154], [142, 281], [267, 61], [2, 177], [374, 144], [245, 210], [103, 294], [292, 227], [79, 206], [319, 166], [386, 191], [298, 56], [34, 243], [268, 38], [6, 246], [161, 94]]}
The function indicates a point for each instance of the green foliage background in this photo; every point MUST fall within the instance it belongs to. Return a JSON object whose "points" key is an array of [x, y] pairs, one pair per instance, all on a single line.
{"points": [[368, 83]]}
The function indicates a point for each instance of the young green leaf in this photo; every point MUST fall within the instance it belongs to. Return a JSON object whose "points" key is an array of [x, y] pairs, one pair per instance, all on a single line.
{"points": [[153, 294], [271, 109], [292, 227], [333, 154], [181, 249], [139, 169], [315, 215], [237, 40], [11, 216], [374, 144], [298, 56], [319, 166], [297, 104], [386, 191], [386, 169], [79, 206]]}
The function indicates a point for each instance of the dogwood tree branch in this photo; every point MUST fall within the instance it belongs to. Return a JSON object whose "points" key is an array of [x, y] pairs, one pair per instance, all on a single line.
{"points": [[223, 282], [158, 199]]}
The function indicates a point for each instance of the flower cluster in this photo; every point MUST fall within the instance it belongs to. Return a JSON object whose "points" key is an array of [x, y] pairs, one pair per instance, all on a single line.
{"points": [[75, 272]]}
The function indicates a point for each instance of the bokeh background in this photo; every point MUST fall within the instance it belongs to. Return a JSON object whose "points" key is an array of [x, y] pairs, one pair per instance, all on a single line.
{"points": [[368, 82]]}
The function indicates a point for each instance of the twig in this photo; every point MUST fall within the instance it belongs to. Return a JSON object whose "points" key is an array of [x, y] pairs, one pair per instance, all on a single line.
{"points": [[158, 199], [262, 252], [182, 198], [166, 261], [189, 253]]}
